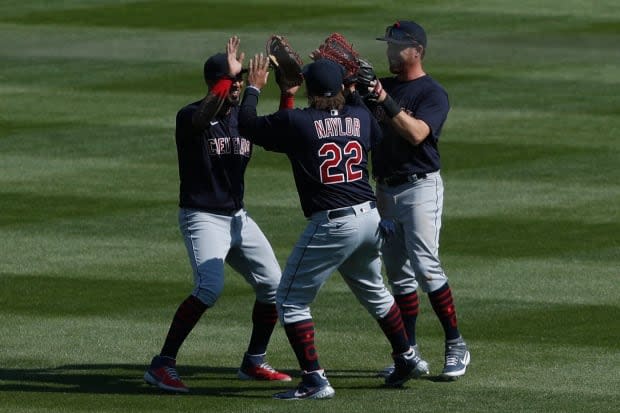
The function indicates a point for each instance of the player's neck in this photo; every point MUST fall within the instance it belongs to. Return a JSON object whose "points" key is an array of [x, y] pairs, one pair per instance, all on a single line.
{"points": [[411, 74]]}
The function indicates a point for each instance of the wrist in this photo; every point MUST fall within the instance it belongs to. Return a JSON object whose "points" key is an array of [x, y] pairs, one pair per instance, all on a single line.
{"points": [[254, 87], [390, 107], [287, 100]]}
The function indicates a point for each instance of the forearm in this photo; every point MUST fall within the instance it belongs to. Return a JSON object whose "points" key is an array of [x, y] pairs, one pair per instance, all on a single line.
{"points": [[212, 103], [248, 118], [411, 129], [247, 110]]}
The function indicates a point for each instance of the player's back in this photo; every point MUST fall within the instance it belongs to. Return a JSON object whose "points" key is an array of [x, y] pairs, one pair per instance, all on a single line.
{"points": [[329, 156]]}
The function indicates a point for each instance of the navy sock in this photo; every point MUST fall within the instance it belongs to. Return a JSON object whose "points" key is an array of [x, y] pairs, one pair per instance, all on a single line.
{"points": [[409, 307], [301, 337], [264, 319], [186, 317], [443, 304], [394, 329]]}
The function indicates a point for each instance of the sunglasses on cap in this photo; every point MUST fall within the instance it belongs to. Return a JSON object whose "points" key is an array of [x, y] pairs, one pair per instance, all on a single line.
{"points": [[395, 33]]}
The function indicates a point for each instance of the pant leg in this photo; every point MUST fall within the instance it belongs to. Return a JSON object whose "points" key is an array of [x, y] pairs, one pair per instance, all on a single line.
{"points": [[362, 269], [207, 240], [320, 250], [400, 273], [253, 258], [420, 208]]}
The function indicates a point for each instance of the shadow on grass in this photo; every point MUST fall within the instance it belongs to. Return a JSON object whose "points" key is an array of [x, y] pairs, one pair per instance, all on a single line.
{"points": [[127, 379]]}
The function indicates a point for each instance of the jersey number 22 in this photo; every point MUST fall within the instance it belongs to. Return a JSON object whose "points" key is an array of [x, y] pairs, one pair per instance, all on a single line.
{"points": [[330, 167]]}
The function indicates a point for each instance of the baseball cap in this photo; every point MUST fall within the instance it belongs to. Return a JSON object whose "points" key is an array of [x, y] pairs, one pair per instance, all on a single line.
{"points": [[323, 78], [405, 32], [216, 67]]}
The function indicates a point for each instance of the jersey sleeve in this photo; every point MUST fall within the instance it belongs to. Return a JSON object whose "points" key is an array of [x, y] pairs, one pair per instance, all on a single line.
{"points": [[269, 131], [434, 111]]}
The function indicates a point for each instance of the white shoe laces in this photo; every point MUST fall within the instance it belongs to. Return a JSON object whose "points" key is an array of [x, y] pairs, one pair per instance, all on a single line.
{"points": [[452, 360], [266, 366], [172, 372]]}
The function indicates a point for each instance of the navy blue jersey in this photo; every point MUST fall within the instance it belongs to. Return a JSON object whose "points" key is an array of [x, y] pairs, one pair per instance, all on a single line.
{"points": [[212, 162], [328, 151], [424, 99]]}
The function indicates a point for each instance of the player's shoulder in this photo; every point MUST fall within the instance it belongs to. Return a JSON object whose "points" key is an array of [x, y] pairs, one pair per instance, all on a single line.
{"points": [[188, 109], [434, 84]]}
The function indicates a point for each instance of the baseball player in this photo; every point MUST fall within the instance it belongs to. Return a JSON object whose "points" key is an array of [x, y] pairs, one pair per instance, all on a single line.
{"points": [[327, 145], [212, 157], [412, 108]]}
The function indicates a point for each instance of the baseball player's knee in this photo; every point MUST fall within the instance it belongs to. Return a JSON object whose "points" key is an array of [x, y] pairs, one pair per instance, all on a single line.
{"points": [[208, 293], [266, 295], [266, 289], [381, 309], [430, 283], [434, 285], [291, 313], [405, 284]]}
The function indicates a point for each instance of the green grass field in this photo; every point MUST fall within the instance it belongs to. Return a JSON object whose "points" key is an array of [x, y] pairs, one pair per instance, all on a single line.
{"points": [[92, 265]]}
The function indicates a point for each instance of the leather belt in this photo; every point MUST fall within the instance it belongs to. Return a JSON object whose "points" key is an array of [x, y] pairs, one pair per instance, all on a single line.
{"points": [[396, 180], [225, 212], [343, 212]]}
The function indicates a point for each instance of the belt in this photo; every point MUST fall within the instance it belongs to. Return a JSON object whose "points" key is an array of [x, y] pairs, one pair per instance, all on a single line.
{"points": [[343, 212], [225, 212], [396, 180]]}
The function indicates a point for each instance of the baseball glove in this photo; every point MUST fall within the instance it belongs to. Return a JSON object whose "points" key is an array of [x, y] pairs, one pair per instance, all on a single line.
{"points": [[338, 49], [365, 75], [286, 62]]}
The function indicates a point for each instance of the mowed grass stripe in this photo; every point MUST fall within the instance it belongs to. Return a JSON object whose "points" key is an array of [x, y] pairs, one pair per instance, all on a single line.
{"points": [[188, 15], [529, 162]]}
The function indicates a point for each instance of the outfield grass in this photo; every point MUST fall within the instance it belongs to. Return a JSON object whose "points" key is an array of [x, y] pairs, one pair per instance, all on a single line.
{"points": [[92, 265]]}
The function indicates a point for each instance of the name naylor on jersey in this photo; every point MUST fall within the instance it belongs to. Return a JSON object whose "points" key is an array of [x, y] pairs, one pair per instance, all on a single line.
{"points": [[328, 127], [236, 145]]}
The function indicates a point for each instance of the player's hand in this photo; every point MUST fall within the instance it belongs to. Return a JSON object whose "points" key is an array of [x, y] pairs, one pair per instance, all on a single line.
{"points": [[375, 92], [235, 59], [290, 91], [259, 71]]}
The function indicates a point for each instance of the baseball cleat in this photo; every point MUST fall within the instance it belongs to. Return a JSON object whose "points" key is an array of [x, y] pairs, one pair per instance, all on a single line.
{"points": [[457, 360], [404, 367], [421, 368], [253, 367], [262, 372], [163, 374], [314, 385]]}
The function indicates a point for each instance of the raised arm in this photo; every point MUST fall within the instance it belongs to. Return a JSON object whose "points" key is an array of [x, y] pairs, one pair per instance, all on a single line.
{"points": [[218, 91]]}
